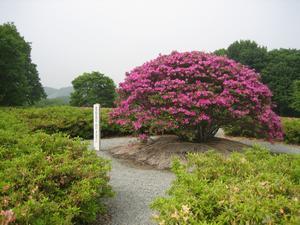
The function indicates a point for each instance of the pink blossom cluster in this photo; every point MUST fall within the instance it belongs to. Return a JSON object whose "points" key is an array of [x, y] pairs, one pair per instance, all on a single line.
{"points": [[8, 217], [183, 91]]}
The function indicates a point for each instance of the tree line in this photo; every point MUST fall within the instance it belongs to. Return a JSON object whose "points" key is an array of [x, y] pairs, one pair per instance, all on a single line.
{"points": [[19, 79], [279, 69], [20, 83]]}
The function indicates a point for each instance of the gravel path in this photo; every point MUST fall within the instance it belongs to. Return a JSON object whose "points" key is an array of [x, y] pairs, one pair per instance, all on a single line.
{"points": [[277, 147], [135, 187]]}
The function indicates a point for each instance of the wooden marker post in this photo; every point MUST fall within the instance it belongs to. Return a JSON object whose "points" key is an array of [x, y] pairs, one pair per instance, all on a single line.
{"points": [[97, 131]]}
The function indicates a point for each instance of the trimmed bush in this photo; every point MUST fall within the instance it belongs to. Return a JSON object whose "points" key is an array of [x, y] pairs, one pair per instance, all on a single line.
{"points": [[254, 187], [193, 94], [48, 179], [74, 121], [291, 130]]}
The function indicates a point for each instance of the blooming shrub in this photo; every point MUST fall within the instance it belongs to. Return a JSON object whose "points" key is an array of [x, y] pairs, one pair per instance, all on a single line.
{"points": [[254, 187], [194, 94]]}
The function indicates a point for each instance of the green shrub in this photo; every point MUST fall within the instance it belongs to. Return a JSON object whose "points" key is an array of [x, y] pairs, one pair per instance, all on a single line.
{"points": [[291, 129], [254, 187], [74, 121], [48, 179]]}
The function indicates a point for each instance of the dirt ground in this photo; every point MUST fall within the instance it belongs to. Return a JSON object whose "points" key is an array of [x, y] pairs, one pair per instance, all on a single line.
{"points": [[160, 151]]}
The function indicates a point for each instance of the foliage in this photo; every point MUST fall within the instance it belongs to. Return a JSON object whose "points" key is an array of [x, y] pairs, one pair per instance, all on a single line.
{"points": [[282, 70], [244, 131], [248, 53], [193, 94], [279, 69], [91, 88], [295, 98], [254, 187], [221, 52], [291, 130], [74, 121], [48, 179], [19, 80], [53, 102], [291, 127]]}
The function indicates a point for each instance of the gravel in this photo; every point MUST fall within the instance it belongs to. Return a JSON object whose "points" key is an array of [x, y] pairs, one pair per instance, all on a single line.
{"points": [[136, 187], [276, 147]]}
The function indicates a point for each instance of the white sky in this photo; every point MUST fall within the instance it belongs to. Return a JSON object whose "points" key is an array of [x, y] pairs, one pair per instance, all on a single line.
{"points": [[70, 37]]}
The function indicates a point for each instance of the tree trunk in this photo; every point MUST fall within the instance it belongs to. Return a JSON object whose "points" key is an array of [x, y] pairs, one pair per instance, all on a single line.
{"points": [[205, 133]]}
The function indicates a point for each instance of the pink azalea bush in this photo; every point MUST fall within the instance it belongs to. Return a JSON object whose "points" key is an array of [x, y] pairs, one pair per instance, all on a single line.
{"points": [[193, 94]]}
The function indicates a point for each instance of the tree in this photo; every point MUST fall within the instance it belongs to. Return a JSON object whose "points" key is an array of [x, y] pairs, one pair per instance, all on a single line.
{"points": [[248, 53], [193, 94], [296, 96], [283, 68], [19, 79], [91, 88], [221, 52]]}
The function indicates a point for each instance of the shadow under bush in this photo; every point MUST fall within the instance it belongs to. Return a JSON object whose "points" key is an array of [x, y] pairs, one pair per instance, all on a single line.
{"points": [[291, 130]]}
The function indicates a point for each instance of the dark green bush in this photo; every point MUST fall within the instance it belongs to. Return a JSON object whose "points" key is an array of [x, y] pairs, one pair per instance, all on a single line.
{"points": [[254, 187], [74, 121], [48, 179], [291, 129], [246, 130]]}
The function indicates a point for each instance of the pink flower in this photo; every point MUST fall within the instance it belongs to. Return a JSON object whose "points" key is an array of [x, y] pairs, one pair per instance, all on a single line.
{"points": [[143, 137], [8, 216], [193, 89], [137, 125]]}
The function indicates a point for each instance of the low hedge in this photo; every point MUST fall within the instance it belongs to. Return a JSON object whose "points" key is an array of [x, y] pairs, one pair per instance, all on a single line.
{"points": [[48, 179], [254, 187], [291, 129], [74, 121]]}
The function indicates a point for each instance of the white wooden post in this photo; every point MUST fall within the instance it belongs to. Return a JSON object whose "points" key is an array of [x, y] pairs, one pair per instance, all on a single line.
{"points": [[97, 131]]}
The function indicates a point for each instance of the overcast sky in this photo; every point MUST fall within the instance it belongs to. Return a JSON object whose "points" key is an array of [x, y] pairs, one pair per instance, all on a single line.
{"points": [[70, 37]]}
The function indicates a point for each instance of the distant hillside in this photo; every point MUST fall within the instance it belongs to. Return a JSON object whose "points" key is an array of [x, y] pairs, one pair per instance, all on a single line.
{"points": [[57, 93]]}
